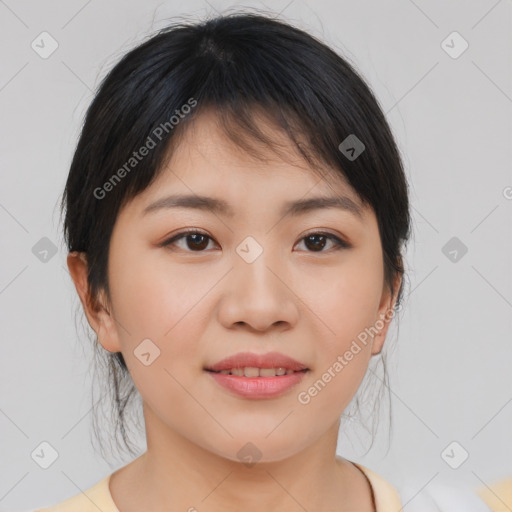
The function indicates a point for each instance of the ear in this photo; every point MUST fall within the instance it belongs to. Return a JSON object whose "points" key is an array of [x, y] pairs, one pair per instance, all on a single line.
{"points": [[99, 317], [385, 315]]}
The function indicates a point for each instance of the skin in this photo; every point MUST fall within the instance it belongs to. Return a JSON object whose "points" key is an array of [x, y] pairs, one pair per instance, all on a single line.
{"points": [[199, 307]]}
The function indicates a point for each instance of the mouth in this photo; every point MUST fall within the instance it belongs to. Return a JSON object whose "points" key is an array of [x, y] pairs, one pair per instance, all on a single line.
{"points": [[253, 383], [258, 376], [250, 364], [255, 372]]}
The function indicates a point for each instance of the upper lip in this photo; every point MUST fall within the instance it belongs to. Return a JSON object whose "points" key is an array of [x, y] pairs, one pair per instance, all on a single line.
{"points": [[249, 359]]}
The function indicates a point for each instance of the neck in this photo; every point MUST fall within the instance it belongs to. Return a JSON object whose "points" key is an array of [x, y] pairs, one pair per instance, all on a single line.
{"points": [[176, 471]]}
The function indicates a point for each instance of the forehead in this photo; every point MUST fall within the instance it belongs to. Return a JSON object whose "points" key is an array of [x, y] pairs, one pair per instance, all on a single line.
{"points": [[204, 159]]}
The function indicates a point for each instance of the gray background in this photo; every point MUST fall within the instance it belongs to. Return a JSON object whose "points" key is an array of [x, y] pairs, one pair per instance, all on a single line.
{"points": [[451, 362]]}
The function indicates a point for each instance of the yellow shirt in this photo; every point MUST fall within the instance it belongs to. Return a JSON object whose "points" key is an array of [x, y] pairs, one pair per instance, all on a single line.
{"points": [[498, 496], [98, 497]]}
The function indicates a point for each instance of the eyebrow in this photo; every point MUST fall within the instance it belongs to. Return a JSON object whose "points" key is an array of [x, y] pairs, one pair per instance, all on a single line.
{"points": [[221, 207]]}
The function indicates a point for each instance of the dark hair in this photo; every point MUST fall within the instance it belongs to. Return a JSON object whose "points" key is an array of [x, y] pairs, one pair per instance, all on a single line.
{"points": [[237, 65]]}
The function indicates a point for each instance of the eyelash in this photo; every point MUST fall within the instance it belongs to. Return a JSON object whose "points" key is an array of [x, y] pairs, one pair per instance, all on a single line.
{"points": [[338, 242]]}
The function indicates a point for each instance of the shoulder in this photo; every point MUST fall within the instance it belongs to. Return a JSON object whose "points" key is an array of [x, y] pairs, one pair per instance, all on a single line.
{"points": [[497, 496], [385, 494], [95, 498]]}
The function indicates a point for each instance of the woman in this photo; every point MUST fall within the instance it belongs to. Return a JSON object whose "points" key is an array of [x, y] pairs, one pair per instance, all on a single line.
{"points": [[236, 211]]}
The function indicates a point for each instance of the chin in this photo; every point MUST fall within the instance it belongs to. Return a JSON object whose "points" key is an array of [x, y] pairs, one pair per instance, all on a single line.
{"points": [[258, 449]]}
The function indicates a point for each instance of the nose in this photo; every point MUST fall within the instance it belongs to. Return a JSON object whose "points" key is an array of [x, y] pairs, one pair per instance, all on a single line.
{"points": [[259, 296]]}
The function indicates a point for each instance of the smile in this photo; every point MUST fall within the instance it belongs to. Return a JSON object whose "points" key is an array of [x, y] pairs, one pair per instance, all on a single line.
{"points": [[254, 384]]}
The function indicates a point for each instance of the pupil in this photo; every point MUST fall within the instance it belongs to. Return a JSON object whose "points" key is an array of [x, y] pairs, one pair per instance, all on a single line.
{"points": [[195, 238], [316, 245], [198, 238]]}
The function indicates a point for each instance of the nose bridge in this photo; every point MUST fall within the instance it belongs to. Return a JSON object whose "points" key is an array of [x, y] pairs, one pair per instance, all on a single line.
{"points": [[252, 267], [258, 295]]}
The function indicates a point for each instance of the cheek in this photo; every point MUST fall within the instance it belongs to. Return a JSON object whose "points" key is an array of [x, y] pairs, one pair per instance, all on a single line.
{"points": [[347, 308], [347, 302], [165, 304], [156, 298]]}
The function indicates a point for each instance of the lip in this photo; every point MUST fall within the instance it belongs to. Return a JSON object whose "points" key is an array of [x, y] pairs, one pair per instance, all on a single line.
{"points": [[249, 359], [258, 387]]}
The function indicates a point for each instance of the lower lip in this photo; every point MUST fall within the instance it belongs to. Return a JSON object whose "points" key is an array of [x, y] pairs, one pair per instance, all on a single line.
{"points": [[258, 387]]}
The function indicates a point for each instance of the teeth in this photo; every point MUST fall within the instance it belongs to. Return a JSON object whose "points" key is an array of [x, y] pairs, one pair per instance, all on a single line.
{"points": [[251, 372], [257, 372]]}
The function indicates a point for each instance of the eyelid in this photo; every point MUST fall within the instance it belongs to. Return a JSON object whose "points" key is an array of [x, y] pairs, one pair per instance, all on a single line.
{"points": [[189, 231], [339, 241], [320, 231]]}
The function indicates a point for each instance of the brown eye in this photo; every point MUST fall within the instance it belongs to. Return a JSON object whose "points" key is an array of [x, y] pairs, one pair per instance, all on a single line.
{"points": [[195, 241], [316, 242]]}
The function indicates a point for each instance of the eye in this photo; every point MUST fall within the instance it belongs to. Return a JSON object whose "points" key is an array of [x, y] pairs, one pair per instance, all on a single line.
{"points": [[319, 240], [197, 241]]}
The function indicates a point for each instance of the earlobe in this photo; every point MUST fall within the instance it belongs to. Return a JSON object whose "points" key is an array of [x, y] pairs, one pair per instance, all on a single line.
{"points": [[77, 265], [386, 310], [378, 340], [98, 316]]}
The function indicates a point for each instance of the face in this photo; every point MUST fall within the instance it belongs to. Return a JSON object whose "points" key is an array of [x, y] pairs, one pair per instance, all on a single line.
{"points": [[308, 284]]}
